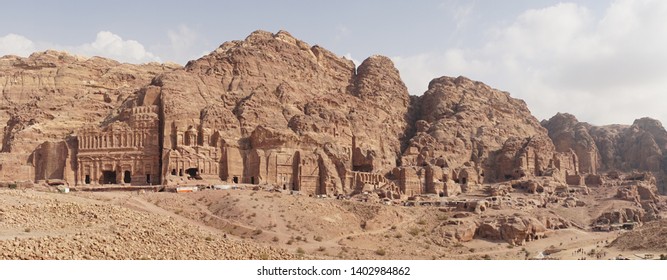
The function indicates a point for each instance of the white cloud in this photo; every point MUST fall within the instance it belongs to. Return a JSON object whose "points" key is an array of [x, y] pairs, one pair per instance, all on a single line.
{"points": [[349, 56], [182, 39], [106, 44], [16, 45], [112, 46], [184, 44], [609, 69]]}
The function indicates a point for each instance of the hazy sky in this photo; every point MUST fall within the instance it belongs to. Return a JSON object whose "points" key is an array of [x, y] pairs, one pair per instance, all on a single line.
{"points": [[603, 61]]}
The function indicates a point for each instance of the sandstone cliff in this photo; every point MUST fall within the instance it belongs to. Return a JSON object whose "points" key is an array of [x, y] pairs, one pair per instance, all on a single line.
{"points": [[274, 112], [471, 133], [640, 146], [268, 109], [272, 96], [567, 133], [51, 94], [273, 109]]}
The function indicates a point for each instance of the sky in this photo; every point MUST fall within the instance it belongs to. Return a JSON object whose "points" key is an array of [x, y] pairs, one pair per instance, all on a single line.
{"points": [[603, 61]]}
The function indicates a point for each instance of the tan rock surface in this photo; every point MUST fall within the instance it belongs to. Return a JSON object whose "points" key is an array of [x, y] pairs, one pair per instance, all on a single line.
{"points": [[297, 126], [567, 133], [467, 121], [639, 146], [52, 94]]}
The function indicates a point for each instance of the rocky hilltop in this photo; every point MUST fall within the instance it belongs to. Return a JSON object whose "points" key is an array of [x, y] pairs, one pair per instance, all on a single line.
{"points": [[273, 109], [272, 112], [640, 146]]}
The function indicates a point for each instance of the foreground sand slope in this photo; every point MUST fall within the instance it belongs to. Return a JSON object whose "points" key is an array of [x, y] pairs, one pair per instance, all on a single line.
{"points": [[39, 225]]}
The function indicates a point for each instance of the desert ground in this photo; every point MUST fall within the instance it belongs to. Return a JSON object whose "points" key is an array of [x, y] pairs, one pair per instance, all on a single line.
{"points": [[259, 224]]}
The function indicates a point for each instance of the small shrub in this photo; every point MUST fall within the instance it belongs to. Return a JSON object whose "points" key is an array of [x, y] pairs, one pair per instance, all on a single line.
{"points": [[380, 252], [414, 231], [321, 249], [208, 238], [275, 239], [398, 235], [27, 230], [421, 222], [300, 251], [393, 227], [12, 186], [486, 257], [257, 231], [318, 238]]}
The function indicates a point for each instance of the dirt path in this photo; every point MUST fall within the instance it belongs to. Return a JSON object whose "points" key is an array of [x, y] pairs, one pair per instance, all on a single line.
{"points": [[335, 242]]}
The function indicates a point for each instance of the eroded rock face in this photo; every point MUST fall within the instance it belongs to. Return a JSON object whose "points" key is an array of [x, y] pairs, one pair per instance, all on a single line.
{"points": [[640, 146], [567, 133], [468, 133], [273, 102], [465, 121], [638, 193], [456, 230], [51, 94], [515, 230], [272, 109]]}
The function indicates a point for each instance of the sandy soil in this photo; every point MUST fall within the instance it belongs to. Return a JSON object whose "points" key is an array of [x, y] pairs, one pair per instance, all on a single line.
{"points": [[246, 224]]}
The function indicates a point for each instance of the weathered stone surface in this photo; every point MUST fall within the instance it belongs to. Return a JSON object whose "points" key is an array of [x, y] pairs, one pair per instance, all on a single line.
{"points": [[515, 230], [620, 147], [567, 133], [276, 95], [457, 230], [621, 216], [51, 94], [465, 121]]}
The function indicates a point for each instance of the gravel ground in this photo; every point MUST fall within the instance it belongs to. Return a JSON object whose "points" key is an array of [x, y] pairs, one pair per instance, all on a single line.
{"points": [[40, 225]]}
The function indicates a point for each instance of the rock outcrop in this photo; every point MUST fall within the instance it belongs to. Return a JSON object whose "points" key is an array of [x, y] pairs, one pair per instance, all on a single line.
{"points": [[515, 230], [467, 121], [567, 133], [640, 146], [49, 95], [272, 97], [468, 133], [271, 109]]}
